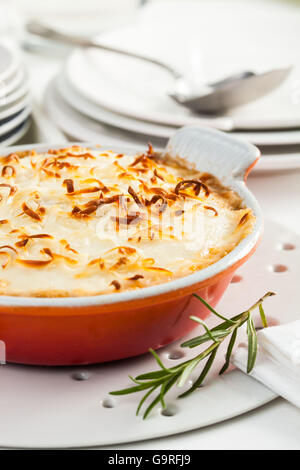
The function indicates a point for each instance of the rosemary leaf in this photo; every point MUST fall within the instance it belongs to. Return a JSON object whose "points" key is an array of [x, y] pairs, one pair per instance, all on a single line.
{"points": [[152, 405], [189, 367], [263, 316], [252, 344], [188, 370], [158, 360], [208, 332], [126, 391], [198, 340], [167, 385], [202, 376], [220, 331], [145, 398], [212, 309], [157, 374], [165, 388], [229, 352], [138, 388]]}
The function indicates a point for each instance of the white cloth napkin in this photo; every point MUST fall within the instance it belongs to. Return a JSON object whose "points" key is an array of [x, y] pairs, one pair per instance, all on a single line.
{"points": [[278, 360]]}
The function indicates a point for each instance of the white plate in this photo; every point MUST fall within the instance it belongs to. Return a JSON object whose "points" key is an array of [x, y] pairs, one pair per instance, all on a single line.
{"points": [[15, 135], [100, 114], [15, 96], [15, 108], [6, 88], [140, 90], [70, 407], [80, 127], [90, 109], [9, 61], [15, 122]]}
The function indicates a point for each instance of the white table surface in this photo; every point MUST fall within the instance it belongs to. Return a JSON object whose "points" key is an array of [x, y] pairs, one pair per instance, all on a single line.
{"points": [[273, 426]]}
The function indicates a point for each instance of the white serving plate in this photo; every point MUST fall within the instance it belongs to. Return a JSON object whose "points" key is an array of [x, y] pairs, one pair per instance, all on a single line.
{"points": [[83, 105], [80, 127], [122, 85], [71, 407]]}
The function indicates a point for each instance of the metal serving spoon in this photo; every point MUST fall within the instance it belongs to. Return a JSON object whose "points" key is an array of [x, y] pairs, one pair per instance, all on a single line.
{"points": [[233, 91]]}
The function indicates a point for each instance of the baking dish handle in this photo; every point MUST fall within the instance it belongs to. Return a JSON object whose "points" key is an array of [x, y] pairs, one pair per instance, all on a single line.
{"points": [[213, 152]]}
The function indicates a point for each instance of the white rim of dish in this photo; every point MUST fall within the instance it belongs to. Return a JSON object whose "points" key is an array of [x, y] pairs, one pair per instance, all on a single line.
{"points": [[14, 62], [15, 108], [12, 85], [16, 95], [15, 136], [238, 253], [13, 123]]}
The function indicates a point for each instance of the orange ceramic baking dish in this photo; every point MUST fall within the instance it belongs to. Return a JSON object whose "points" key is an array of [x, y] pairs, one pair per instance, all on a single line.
{"points": [[85, 330]]}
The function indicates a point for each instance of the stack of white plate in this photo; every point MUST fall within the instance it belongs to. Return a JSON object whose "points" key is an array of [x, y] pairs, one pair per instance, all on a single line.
{"points": [[101, 95], [15, 100]]}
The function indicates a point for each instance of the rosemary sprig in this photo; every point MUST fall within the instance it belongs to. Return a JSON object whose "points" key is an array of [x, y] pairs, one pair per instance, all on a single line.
{"points": [[163, 379]]}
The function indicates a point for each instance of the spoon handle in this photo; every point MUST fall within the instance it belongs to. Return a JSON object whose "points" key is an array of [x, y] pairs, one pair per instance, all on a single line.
{"points": [[34, 27]]}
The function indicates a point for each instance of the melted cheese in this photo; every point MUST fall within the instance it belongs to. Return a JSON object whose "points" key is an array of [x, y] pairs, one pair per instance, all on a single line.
{"points": [[78, 221]]}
